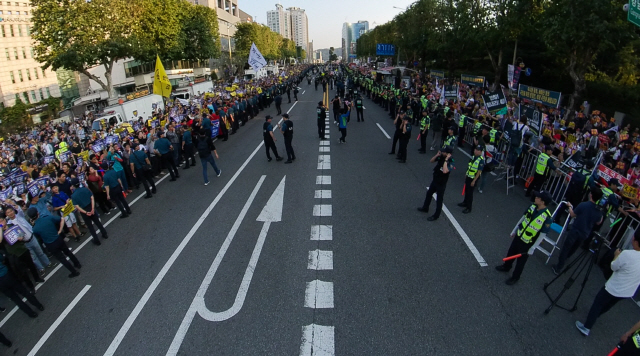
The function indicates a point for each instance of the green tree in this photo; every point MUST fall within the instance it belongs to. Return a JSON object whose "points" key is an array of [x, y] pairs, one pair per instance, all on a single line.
{"points": [[15, 118], [199, 36], [576, 45], [301, 54], [78, 35]]}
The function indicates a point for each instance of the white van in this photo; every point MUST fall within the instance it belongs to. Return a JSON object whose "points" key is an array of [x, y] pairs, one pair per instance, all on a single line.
{"points": [[108, 119]]}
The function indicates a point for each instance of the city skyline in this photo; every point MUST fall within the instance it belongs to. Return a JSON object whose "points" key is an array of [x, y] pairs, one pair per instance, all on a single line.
{"points": [[326, 18]]}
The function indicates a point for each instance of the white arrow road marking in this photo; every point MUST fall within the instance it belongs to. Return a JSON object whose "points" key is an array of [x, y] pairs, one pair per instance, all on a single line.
{"points": [[319, 295], [272, 212], [317, 340]]}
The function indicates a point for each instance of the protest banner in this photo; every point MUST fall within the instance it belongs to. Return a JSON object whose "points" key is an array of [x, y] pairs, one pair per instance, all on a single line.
{"points": [[495, 101], [437, 73], [472, 80], [13, 235], [68, 208], [451, 91], [542, 96]]}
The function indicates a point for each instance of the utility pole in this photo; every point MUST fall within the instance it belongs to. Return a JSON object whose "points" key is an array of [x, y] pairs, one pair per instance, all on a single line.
{"points": [[230, 58]]}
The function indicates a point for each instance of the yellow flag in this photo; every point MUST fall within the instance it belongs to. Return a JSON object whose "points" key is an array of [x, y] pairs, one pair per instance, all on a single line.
{"points": [[161, 83]]}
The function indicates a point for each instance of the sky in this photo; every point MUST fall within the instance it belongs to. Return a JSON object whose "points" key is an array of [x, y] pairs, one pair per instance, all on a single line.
{"points": [[327, 16]]}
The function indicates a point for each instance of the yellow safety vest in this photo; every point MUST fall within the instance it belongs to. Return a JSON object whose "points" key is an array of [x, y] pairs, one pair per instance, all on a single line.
{"points": [[425, 123], [477, 127], [461, 123], [474, 165], [529, 229], [541, 165], [492, 135], [449, 141]]}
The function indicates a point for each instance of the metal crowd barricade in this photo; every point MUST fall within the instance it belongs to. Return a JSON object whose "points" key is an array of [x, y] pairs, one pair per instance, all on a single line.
{"points": [[558, 181]]}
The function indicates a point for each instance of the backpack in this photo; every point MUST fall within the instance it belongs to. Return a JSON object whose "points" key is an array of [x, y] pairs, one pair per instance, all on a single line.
{"points": [[516, 135], [203, 148]]}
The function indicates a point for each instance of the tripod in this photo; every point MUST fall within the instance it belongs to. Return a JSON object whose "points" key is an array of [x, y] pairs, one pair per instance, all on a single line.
{"points": [[585, 260]]}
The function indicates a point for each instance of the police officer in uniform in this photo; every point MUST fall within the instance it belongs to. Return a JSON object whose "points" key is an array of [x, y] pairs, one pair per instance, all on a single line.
{"points": [[439, 182], [543, 167], [269, 139], [322, 117], [404, 139], [451, 137], [474, 171], [287, 132], [462, 126], [398, 133], [359, 107], [425, 123], [531, 229]]}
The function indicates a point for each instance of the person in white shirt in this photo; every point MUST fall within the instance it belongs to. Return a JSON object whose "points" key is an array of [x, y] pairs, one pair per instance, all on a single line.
{"points": [[622, 284]]}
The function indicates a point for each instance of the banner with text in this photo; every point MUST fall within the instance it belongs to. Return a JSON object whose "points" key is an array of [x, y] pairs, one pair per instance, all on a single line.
{"points": [[534, 118], [436, 73], [451, 92], [542, 96], [495, 101], [472, 80]]}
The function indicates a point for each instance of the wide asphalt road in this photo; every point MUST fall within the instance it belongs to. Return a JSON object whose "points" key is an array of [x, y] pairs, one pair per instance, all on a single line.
{"points": [[324, 256]]}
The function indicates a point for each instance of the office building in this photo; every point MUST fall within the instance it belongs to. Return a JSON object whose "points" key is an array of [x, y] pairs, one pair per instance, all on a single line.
{"points": [[279, 21], [350, 34], [21, 76]]}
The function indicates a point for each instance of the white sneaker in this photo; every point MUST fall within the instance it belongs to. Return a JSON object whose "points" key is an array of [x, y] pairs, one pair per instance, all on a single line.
{"points": [[480, 190], [206, 183], [219, 173]]}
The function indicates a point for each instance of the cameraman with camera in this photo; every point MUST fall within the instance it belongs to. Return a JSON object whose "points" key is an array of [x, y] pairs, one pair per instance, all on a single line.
{"points": [[439, 182], [623, 284]]}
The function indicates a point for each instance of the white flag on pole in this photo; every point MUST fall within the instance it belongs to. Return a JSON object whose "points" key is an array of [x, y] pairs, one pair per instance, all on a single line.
{"points": [[442, 100], [256, 60]]}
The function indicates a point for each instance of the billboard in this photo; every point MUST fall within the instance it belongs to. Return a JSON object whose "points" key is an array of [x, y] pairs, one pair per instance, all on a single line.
{"points": [[385, 49]]}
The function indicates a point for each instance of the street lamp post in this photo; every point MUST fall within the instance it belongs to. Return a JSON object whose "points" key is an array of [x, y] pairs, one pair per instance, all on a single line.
{"points": [[230, 58]]}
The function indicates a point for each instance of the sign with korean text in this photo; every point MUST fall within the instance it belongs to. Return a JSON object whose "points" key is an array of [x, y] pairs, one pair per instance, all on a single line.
{"points": [[437, 73], [472, 80], [13, 235], [545, 97], [495, 101], [385, 49], [534, 118], [633, 15]]}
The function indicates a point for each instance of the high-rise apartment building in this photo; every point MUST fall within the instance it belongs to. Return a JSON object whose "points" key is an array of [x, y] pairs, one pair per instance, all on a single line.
{"points": [[291, 23], [300, 27], [21, 76], [350, 34], [228, 16], [279, 21]]}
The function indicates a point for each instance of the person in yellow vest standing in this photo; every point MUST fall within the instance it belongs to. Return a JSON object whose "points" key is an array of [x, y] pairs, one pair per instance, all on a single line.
{"points": [[462, 126], [544, 165], [527, 235], [474, 171]]}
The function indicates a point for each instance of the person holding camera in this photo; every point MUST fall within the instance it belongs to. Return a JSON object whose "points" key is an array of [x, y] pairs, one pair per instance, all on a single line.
{"points": [[586, 215], [439, 182], [622, 284]]}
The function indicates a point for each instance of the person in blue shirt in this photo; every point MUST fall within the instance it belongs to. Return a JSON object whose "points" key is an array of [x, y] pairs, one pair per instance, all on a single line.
{"points": [[269, 139], [141, 168], [85, 203], [41, 201], [48, 229], [163, 149], [114, 156], [342, 126], [59, 201], [113, 186], [13, 289], [187, 148]]}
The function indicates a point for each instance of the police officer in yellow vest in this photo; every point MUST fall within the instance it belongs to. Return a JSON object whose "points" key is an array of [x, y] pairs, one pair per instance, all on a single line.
{"points": [[473, 174], [62, 148], [544, 165], [462, 127], [425, 123], [527, 235]]}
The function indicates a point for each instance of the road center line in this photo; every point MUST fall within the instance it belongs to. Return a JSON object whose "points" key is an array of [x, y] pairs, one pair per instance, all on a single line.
{"points": [[58, 321], [165, 269], [294, 104], [383, 131]]}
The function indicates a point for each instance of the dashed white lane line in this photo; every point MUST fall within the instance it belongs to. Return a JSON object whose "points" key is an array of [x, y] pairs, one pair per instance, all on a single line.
{"points": [[319, 295], [322, 210], [322, 194], [320, 260], [304, 91], [59, 320], [321, 232], [383, 131], [318, 340], [324, 149], [324, 143], [323, 180], [324, 161]]}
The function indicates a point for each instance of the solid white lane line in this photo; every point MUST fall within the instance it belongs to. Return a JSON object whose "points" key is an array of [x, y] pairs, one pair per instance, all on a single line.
{"points": [[322, 194], [320, 260], [319, 295], [321, 232], [322, 210], [59, 320], [317, 340], [198, 305], [383, 131], [323, 180], [464, 235], [165, 269], [86, 241]]}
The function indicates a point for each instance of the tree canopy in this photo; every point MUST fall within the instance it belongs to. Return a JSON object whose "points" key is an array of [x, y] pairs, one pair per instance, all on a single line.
{"points": [[271, 44], [582, 48], [78, 35]]}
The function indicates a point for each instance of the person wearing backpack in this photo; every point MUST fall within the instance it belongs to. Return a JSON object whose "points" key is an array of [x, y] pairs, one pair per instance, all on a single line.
{"points": [[518, 130], [205, 146]]}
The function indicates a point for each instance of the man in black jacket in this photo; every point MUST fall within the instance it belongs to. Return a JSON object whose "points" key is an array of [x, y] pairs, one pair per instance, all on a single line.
{"points": [[205, 147]]}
